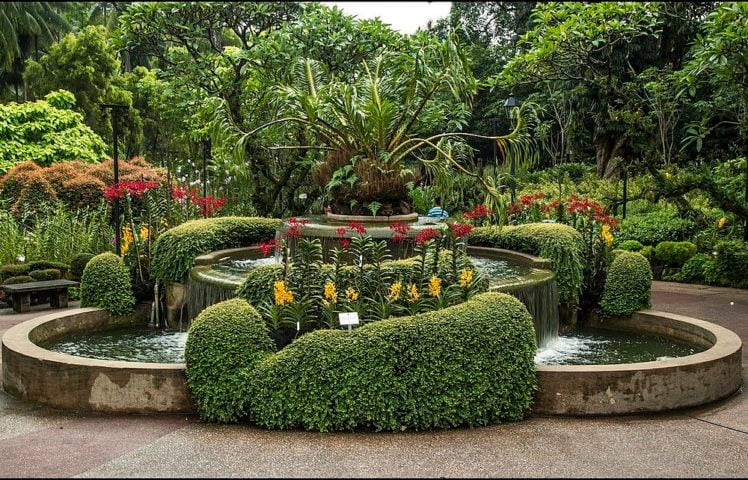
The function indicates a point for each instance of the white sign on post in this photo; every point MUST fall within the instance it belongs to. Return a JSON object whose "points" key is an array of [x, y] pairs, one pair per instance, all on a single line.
{"points": [[348, 318]]}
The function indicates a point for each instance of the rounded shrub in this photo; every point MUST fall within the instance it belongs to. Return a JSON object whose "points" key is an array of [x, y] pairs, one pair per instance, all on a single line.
{"points": [[631, 245], [627, 284], [729, 267], [46, 274], [78, 263], [45, 265], [105, 283], [13, 270], [648, 252], [655, 227], [470, 364], [81, 191], [694, 268], [674, 254], [19, 279], [223, 342]]}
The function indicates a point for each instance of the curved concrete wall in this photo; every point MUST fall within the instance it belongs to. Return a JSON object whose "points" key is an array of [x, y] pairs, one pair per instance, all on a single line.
{"points": [[66, 381], [668, 384]]}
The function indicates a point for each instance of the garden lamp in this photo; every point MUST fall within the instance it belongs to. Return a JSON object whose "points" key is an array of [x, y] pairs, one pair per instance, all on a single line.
{"points": [[510, 104]]}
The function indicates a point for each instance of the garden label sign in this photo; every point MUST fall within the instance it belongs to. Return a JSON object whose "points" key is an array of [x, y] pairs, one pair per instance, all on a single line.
{"points": [[348, 318]]}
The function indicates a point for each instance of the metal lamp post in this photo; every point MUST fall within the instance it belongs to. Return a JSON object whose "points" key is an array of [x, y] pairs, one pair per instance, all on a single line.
{"points": [[510, 104], [118, 111], [494, 122]]}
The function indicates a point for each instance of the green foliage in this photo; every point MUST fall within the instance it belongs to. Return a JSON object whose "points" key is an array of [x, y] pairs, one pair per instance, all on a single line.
{"points": [[648, 252], [46, 274], [695, 267], [105, 283], [45, 264], [730, 265], [13, 270], [78, 264], [224, 342], [631, 245], [659, 226], [45, 134], [176, 249], [471, 364], [674, 254], [561, 244], [19, 279], [627, 285]]}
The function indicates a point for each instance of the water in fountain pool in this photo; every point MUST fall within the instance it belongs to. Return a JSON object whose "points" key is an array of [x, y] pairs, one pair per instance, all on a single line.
{"points": [[605, 347]]}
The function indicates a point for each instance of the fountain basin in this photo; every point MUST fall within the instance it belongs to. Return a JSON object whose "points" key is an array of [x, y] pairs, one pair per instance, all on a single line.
{"points": [[33, 373]]}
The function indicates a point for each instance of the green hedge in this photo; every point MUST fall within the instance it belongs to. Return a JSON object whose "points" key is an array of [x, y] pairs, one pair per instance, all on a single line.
{"points": [[46, 274], [655, 227], [559, 243], [18, 279], [627, 284], [223, 341], [78, 263], [13, 270], [730, 266], [46, 265], [105, 283], [631, 245], [470, 364], [175, 250], [674, 254], [695, 267]]}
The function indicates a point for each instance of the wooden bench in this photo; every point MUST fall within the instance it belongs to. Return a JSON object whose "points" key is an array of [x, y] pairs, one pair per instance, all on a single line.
{"points": [[21, 293]]}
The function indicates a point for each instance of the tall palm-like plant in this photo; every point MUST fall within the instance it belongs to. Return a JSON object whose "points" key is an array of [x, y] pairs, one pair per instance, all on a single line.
{"points": [[20, 20], [379, 122]]}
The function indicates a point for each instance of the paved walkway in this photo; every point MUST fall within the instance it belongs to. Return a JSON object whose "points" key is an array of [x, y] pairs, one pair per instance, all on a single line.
{"points": [[709, 441]]}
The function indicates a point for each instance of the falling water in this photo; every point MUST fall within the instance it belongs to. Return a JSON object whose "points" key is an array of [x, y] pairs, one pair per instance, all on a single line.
{"points": [[201, 295], [541, 299]]}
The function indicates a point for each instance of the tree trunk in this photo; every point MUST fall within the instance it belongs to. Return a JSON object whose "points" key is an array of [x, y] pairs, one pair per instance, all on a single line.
{"points": [[606, 149]]}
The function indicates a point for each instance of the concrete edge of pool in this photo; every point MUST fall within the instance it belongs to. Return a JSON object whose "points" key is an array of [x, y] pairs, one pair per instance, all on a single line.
{"points": [[65, 381]]}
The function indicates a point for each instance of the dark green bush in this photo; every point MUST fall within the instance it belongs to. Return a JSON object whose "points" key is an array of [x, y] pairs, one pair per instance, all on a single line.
{"points": [[13, 270], [627, 284], [18, 279], [561, 244], [224, 341], [175, 250], [648, 252], [674, 254], [694, 268], [46, 274], [78, 263], [105, 283], [45, 265], [653, 228], [730, 266], [470, 364], [631, 245]]}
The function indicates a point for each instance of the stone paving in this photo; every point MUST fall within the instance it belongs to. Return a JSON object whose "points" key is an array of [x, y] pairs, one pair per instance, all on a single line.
{"points": [[709, 441]]}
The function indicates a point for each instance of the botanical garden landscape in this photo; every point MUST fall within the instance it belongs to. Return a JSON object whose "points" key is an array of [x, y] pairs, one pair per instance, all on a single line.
{"points": [[274, 239]]}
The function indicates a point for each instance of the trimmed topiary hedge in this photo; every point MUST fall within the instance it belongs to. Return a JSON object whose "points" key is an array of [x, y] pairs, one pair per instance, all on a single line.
{"points": [[78, 264], [174, 251], [105, 283], [46, 274], [627, 284], [674, 254], [224, 341], [559, 243], [631, 245], [655, 227], [13, 270], [18, 279], [470, 364], [46, 265]]}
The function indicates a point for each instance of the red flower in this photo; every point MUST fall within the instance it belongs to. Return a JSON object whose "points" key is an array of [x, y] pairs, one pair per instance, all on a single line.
{"points": [[514, 209], [178, 193], [400, 230], [294, 231], [208, 204], [135, 189], [460, 229], [550, 206], [341, 231], [426, 234], [267, 247], [358, 227], [345, 242], [478, 211]]}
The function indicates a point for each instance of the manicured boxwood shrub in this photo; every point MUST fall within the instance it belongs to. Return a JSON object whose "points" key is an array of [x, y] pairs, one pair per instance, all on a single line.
{"points": [[648, 252], [223, 342], [694, 268], [175, 250], [470, 364], [78, 263], [46, 265], [674, 254], [627, 284], [105, 283], [13, 270], [630, 245], [18, 279], [559, 243], [46, 274]]}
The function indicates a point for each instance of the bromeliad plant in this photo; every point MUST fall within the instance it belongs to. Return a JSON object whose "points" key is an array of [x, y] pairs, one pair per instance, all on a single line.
{"points": [[309, 294]]}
